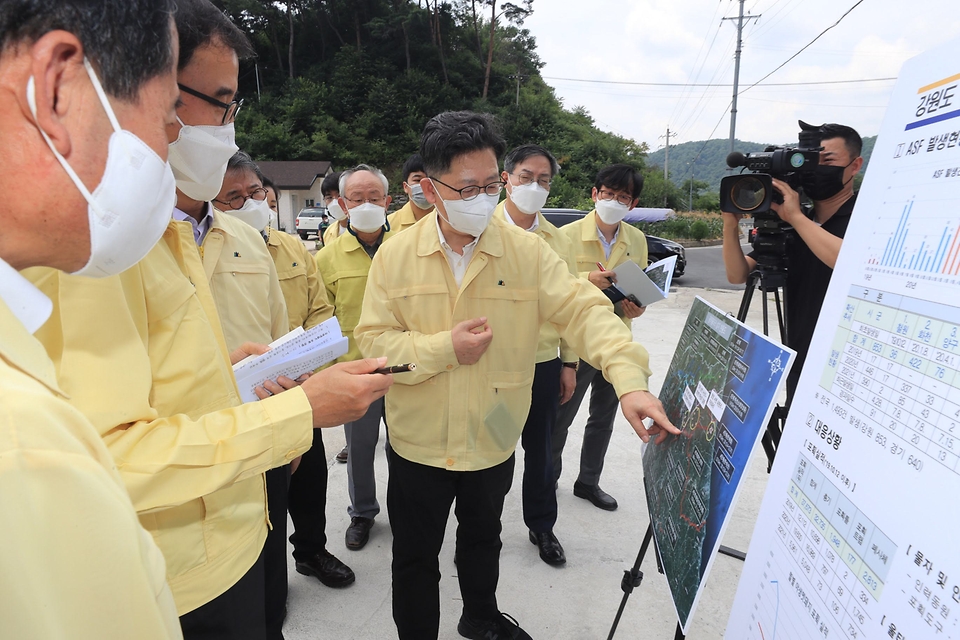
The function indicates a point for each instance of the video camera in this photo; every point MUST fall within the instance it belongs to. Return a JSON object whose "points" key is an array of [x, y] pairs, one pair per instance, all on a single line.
{"points": [[752, 193]]}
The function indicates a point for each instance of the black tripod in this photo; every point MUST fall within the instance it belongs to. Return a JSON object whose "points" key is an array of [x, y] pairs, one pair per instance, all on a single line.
{"points": [[767, 280]]}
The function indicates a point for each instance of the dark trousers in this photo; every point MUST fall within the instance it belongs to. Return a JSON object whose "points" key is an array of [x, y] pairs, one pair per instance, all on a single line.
{"points": [[236, 614], [307, 502], [596, 434], [418, 503], [539, 494], [275, 552]]}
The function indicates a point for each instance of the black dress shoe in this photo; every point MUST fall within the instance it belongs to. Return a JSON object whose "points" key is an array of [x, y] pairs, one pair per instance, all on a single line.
{"points": [[596, 495], [504, 627], [358, 532], [551, 551], [327, 569], [342, 456]]}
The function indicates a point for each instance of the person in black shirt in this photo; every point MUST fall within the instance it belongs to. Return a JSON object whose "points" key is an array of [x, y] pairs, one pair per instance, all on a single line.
{"points": [[814, 244]]}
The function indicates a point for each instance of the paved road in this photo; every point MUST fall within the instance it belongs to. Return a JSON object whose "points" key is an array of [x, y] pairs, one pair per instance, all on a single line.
{"points": [[705, 270]]}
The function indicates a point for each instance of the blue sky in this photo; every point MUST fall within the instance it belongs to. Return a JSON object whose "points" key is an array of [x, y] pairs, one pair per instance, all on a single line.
{"points": [[666, 41]]}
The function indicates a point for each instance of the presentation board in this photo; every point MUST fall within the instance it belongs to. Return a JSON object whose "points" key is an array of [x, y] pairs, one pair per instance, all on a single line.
{"points": [[856, 536], [720, 390]]}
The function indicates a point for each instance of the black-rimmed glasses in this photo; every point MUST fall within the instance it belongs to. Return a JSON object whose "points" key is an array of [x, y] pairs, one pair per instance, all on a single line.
{"points": [[471, 192], [237, 202], [230, 109], [610, 195]]}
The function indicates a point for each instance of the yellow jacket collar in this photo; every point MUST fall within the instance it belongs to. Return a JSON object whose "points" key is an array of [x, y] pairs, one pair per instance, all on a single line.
{"points": [[24, 352]]}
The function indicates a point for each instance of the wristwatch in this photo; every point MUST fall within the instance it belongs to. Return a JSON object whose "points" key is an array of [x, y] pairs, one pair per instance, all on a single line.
{"points": [[572, 365]]}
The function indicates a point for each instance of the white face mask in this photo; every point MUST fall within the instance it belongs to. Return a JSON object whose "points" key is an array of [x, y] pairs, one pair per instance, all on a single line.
{"points": [[611, 211], [416, 194], [199, 158], [368, 217], [529, 198], [130, 208], [255, 213], [335, 210], [470, 217]]}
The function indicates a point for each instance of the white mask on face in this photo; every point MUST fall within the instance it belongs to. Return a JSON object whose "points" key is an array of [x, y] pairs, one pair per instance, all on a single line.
{"points": [[611, 211], [255, 213], [470, 217], [199, 158], [335, 210], [416, 194], [368, 217], [529, 198], [130, 208]]}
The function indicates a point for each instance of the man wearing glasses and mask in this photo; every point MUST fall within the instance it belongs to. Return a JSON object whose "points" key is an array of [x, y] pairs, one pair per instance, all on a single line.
{"points": [[601, 237], [464, 296]]}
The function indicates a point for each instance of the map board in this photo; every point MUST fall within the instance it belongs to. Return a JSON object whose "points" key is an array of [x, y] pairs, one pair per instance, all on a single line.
{"points": [[720, 390], [856, 537]]}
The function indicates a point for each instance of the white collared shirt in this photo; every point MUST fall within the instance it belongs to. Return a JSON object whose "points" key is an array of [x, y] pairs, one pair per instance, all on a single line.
{"points": [[25, 301], [458, 263], [201, 228], [608, 246], [533, 227]]}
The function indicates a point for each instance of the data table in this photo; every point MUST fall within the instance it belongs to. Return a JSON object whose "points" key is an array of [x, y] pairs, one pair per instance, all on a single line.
{"points": [[894, 361]]}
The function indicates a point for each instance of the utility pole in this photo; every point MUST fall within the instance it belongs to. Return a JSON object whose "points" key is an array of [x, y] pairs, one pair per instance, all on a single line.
{"points": [[666, 154], [666, 164], [518, 78], [736, 70]]}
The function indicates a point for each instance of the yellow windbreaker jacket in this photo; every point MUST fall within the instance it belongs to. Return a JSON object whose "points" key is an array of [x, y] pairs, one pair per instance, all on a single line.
{"points": [[469, 417], [142, 356]]}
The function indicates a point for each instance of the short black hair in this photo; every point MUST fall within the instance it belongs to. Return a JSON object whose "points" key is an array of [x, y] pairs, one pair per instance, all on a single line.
{"points": [[525, 151], [200, 22], [452, 134], [620, 177], [129, 42], [851, 139], [269, 184], [330, 184], [413, 164]]}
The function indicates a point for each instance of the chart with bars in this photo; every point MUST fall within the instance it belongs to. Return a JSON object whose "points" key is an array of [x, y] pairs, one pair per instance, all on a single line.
{"points": [[937, 251]]}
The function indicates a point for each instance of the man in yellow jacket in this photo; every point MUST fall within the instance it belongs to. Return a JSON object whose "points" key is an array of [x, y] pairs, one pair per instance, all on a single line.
{"points": [[307, 304], [344, 265], [601, 238], [417, 206], [154, 376], [528, 171], [75, 562], [463, 297]]}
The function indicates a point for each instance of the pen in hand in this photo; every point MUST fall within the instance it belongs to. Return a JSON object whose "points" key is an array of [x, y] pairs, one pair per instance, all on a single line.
{"points": [[397, 368]]}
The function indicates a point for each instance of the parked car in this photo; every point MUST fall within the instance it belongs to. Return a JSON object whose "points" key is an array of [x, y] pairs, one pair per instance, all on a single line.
{"points": [[657, 248], [309, 220]]}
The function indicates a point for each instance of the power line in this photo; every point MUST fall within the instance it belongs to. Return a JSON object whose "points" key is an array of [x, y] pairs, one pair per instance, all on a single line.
{"points": [[783, 64], [769, 84]]}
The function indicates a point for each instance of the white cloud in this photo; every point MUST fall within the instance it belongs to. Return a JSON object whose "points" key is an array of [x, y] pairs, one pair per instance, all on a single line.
{"points": [[659, 41]]}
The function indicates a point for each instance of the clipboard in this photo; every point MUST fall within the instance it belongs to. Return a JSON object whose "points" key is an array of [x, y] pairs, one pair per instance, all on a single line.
{"points": [[643, 287]]}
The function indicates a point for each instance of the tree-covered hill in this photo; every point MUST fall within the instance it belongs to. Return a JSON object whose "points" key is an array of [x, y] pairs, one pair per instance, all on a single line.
{"points": [[355, 80]]}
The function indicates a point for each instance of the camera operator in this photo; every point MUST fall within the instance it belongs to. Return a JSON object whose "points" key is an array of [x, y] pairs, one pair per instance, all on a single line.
{"points": [[813, 246]]}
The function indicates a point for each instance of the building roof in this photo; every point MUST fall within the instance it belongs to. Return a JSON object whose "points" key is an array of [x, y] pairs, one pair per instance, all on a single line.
{"points": [[295, 174]]}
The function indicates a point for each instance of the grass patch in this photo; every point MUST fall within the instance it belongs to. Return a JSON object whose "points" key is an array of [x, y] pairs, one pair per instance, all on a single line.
{"points": [[693, 225]]}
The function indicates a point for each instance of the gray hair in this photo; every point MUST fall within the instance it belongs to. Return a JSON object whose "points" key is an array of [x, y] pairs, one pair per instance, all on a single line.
{"points": [[241, 161], [363, 167]]}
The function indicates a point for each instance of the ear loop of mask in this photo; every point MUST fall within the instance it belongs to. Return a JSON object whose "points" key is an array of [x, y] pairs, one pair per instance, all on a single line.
{"points": [[32, 103]]}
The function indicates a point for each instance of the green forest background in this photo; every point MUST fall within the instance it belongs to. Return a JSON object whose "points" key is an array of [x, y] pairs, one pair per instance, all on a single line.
{"points": [[353, 81]]}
